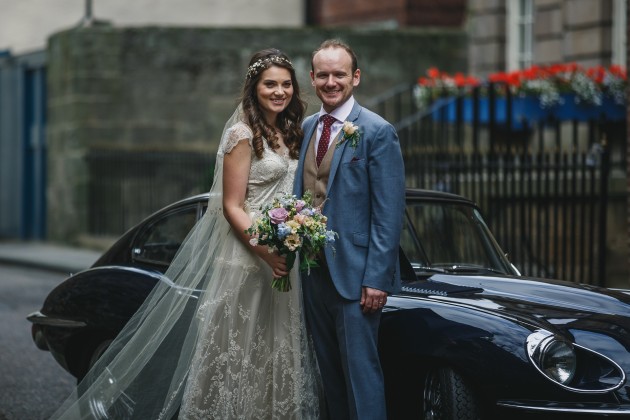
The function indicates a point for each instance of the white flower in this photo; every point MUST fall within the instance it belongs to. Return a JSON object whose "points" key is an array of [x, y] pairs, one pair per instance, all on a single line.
{"points": [[350, 132], [349, 128]]}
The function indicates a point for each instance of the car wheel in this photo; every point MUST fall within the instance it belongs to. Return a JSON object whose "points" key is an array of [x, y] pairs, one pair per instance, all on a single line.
{"points": [[102, 407], [93, 350], [98, 352], [447, 397], [99, 405]]}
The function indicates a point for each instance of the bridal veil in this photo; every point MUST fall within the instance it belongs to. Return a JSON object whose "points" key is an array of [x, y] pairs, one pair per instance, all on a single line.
{"points": [[212, 334]]}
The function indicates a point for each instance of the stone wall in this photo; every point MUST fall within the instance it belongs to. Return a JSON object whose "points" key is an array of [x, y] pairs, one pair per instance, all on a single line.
{"points": [[124, 92], [487, 36]]}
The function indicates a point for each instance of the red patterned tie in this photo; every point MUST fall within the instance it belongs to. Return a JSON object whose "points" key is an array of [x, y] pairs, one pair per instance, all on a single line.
{"points": [[328, 121]]}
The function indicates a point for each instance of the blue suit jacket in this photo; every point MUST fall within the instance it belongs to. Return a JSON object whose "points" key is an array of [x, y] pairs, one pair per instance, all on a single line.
{"points": [[365, 205]]}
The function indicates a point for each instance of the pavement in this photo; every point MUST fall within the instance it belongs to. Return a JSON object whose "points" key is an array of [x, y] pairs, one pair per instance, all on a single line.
{"points": [[63, 259]]}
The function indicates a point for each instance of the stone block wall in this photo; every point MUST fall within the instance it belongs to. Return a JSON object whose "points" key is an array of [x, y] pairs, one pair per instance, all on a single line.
{"points": [[164, 90], [564, 31], [487, 36]]}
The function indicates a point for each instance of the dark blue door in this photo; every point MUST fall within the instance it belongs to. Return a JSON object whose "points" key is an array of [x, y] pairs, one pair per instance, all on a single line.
{"points": [[34, 152]]}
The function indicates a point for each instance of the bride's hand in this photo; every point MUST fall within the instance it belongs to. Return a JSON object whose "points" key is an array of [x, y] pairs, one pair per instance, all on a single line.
{"points": [[278, 263]]}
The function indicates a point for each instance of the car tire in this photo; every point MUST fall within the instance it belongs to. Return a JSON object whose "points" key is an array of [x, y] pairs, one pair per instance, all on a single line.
{"points": [[99, 406], [98, 352], [447, 397], [94, 349]]}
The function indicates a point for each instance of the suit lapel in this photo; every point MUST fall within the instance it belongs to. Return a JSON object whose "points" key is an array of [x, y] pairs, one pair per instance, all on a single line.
{"points": [[354, 115]]}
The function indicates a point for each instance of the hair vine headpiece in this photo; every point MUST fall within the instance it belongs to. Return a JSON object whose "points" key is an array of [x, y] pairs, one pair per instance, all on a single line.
{"points": [[263, 63]]}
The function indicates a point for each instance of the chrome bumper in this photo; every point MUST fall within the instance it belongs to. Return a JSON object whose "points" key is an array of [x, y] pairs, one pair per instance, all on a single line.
{"points": [[603, 409], [41, 319]]}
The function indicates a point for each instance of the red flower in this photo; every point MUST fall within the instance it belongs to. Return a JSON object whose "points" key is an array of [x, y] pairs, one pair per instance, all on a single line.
{"points": [[433, 73], [547, 81], [618, 71]]}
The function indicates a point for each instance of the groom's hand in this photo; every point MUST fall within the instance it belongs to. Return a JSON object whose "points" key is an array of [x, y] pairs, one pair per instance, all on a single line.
{"points": [[372, 299]]}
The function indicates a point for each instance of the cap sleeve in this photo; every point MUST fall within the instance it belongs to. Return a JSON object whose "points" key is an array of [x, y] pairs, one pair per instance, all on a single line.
{"points": [[234, 134]]}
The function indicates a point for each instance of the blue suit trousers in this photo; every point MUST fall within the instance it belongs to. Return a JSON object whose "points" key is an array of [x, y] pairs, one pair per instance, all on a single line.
{"points": [[345, 343]]}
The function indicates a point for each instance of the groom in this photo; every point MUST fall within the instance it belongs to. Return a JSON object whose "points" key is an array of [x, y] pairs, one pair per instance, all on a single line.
{"points": [[351, 161]]}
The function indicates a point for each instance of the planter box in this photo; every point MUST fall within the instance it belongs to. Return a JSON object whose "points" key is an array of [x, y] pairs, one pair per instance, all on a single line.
{"points": [[570, 110], [526, 110]]}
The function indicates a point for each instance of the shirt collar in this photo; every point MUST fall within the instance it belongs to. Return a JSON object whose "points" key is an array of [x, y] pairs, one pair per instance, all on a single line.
{"points": [[340, 113]]}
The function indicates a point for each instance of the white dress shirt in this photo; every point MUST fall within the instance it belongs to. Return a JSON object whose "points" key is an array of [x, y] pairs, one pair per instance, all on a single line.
{"points": [[341, 114]]}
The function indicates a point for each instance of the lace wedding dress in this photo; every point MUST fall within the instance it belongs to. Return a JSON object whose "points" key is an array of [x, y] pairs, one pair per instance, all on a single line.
{"points": [[214, 340], [252, 360]]}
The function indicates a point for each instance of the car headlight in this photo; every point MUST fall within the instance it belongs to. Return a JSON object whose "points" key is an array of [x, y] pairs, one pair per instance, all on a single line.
{"points": [[558, 361], [554, 357]]}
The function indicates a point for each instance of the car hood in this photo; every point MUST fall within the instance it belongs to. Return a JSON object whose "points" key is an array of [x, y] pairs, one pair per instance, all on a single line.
{"points": [[557, 306]]}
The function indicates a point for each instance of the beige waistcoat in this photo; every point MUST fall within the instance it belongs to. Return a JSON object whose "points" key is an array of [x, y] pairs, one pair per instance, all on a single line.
{"points": [[316, 179]]}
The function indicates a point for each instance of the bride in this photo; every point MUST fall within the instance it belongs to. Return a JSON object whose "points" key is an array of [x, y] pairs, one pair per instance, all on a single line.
{"points": [[220, 343]]}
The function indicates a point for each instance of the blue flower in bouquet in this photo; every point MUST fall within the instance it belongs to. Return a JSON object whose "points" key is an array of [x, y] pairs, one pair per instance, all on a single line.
{"points": [[284, 230], [307, 211]]}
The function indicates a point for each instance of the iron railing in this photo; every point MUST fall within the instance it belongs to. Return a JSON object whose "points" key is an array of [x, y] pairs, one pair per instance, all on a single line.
{"points": [[125, 187], [543, 186]]}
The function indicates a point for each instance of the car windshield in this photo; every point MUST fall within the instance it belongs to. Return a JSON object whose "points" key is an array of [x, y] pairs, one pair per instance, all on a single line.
{"points": [[450, 237]]}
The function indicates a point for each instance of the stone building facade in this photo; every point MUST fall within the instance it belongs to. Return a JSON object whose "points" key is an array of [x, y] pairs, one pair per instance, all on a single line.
{"points": [[588, 32]]}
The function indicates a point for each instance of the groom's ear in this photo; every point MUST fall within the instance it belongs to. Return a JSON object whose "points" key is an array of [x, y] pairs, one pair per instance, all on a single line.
{"points": [[312, 78], [356, 78]]}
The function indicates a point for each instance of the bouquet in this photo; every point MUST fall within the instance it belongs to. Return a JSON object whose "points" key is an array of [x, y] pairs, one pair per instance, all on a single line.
{"points": [[290, 225]]}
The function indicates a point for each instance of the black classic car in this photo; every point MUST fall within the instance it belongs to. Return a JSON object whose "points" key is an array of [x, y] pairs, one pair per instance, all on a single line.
{"points": [[468, 336]]}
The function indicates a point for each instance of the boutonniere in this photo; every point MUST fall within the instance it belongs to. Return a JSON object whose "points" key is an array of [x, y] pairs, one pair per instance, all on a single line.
{"points": [[351, 133]]}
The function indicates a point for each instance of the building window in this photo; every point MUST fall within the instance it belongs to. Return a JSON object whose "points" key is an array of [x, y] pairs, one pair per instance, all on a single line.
{"points": [[520, 34], [619, 33]]}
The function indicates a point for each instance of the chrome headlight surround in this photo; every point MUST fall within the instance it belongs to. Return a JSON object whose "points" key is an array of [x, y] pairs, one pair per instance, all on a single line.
{"points": [[554, 358], [557, 359]]}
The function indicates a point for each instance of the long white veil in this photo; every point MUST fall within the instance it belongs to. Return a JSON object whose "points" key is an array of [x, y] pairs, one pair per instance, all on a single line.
{"points": [[142, 375]]}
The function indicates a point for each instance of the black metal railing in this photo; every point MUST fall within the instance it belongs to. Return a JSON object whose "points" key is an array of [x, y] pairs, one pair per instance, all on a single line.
{"points": [[542, 185], [394, 104], [125, 187]]}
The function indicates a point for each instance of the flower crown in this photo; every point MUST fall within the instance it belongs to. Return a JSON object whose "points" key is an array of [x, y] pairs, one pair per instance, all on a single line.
{"points": [[263, 63]]}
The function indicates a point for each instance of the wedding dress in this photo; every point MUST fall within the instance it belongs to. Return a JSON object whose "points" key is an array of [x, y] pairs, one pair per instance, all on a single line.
{"points": [[252, 359], [214, 341]]}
